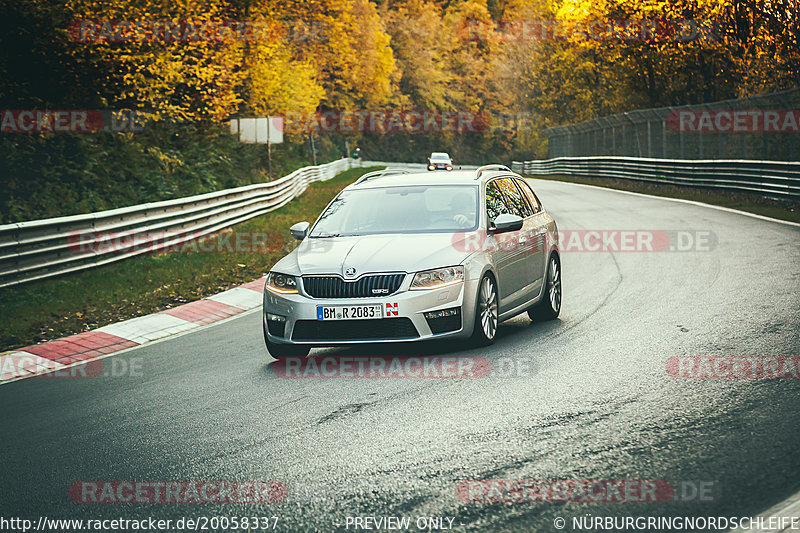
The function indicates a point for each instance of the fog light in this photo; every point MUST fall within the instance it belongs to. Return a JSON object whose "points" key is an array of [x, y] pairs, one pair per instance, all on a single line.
{"points": [[276, 325], [442, 313], [444, 320]]}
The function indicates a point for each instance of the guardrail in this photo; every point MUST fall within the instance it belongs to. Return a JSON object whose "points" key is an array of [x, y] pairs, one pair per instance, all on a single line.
{"points": [[45, 248], [774, 179]]}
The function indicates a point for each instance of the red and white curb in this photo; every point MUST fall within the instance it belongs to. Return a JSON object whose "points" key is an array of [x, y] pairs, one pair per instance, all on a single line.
{"points": [[78, 349]]}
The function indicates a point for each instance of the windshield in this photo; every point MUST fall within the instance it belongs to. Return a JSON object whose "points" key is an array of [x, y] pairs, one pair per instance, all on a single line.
{"points": [[440, 157], [410, 209]]}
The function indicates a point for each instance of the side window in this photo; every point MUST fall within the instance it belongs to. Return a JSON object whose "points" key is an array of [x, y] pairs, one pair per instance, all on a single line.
{"points": [[495, 203], [514, 199], [532, 200]]}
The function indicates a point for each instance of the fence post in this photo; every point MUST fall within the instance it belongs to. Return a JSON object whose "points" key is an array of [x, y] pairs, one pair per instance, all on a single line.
{"points": [[604, 141], [594, 134], [700, 144]]}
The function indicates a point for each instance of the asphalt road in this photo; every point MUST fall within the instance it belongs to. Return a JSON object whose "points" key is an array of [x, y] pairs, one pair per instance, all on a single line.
{"points": [[596, 402]]}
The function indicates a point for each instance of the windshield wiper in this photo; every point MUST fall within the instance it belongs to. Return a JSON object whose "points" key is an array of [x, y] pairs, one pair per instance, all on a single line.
{"points": [[327, 235]]}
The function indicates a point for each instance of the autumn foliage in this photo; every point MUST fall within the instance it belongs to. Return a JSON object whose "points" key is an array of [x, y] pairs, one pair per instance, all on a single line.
{"points": [[307, 55], [202, 61]]}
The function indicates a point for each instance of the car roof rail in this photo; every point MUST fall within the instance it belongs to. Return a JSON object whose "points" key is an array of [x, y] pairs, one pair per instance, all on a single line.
{"points": [[381, 173], [486, 168]]}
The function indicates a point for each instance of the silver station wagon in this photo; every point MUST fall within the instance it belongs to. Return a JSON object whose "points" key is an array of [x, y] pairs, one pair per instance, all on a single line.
{"points": [[400, 256]]}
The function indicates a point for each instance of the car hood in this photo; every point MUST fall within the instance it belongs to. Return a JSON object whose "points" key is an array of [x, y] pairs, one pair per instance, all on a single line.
{"points": [[374, 253]]}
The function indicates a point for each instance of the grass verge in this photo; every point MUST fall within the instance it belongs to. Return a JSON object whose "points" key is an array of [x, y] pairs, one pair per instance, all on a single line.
{"points": [[54, 308], [752, 203]]}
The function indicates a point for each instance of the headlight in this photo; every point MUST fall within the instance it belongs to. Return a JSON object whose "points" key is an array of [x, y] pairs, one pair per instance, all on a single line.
{"points": [[431, 167], [281, 283], [439, 277]]}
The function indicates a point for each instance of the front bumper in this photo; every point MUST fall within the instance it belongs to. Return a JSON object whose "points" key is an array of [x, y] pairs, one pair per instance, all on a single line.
{"points": [[302, 327]]}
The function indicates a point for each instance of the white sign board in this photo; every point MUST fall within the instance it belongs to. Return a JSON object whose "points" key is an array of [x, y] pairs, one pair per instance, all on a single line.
{"points": [[275, 130], [262, 130], [259, 130], [247, 130]]}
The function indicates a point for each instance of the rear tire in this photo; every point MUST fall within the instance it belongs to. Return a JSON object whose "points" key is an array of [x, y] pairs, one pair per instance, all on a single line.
{"points": [[279, 351], [549, 306], [487, 316]]}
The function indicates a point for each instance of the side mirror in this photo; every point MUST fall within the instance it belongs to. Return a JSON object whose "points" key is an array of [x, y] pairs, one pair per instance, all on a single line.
{"points": [[300, 230], [507, 222]]}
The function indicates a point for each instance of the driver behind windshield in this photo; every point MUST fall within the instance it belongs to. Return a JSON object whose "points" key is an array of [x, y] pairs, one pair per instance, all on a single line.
{"points": [[462, 205]]}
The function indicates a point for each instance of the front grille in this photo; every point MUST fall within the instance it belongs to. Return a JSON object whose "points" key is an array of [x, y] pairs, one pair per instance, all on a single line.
{"points": [[336, 287], [354, 330]]}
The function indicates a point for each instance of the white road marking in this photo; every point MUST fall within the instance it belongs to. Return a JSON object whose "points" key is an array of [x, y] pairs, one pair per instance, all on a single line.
{"points": [[692, 202], [148, 328], [238, 297]]}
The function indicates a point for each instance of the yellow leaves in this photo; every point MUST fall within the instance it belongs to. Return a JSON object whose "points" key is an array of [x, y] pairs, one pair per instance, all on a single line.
{"points": [[580, 10], [350, 54], [169, 162], [374, 61]]}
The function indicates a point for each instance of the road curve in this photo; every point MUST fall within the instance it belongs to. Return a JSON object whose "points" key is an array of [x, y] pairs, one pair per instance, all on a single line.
{"points": [[592, 401]]}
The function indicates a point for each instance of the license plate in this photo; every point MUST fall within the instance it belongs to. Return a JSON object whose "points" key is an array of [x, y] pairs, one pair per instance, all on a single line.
{"points": [[349, 312]]}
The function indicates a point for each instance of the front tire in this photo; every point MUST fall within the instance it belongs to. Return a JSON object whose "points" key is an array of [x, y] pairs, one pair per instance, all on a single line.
{"points": [[486, 312], [549, 306], [279, 351]]}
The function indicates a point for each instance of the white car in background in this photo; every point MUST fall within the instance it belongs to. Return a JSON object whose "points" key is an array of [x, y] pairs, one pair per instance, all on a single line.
{"points": [[440, 161]]}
